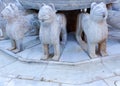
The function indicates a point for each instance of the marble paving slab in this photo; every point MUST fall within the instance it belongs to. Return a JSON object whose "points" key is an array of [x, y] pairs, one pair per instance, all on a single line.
{"points": [[18, 82], [5, 59], [78, 74], [113, 81], [96, 83], [4, 81], [23, 70]]}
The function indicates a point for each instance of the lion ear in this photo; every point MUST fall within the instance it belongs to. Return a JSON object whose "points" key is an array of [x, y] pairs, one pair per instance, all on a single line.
{"points": [[52, 6], [93, 4], [11, 6], [41, 5], [14, 7], [103, 4]]}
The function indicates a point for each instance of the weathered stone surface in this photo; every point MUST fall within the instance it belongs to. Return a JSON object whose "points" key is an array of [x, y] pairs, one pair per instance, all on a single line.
{"points": [[112, 64], [76, 74], [97, 83], [69, 85], [18, 82], [4, 81], [117, 83], [23, 70], [61, 4], [113, 42], [113, 81], [113, 20], [116, 5], [5, 59], [1, 5], [34, 56], [73, 53], [2, 22], [9, 1]]}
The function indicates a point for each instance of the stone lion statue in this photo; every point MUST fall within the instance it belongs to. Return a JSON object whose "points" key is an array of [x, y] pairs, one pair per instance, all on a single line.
{"points": [[3, 29], [95, 28], [113, 18], [18, 25], [114, 14], [52, 25], [116, 5], [2, 22]]}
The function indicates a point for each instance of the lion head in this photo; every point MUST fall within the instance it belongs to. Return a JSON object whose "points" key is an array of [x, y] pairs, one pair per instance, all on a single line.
{"points": [[47, 13], [10, 11], [98, 12]]}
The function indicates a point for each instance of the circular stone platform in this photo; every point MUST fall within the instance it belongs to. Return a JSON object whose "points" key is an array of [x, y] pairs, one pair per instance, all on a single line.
{"points": [[72, 53]]}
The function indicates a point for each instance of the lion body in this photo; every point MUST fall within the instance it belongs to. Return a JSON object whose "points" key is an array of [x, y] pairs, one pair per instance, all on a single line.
{"points": [[18, 25], [52, 26], [95, 28], [95, 32], [17, 28]]}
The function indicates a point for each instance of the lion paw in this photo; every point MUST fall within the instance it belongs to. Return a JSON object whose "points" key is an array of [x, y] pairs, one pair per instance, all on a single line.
{"points": [[55, 58], [16, 51], [10, 49], [104, 54], [44, 57], [93, 56]]}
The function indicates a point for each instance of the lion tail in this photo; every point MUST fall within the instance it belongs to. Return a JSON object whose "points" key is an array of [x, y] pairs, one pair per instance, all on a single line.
{"points": [[79, 31]]}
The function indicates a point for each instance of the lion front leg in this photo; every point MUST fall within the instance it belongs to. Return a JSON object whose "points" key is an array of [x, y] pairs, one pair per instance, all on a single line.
{"points": [[102, 48], [92, 50], [13, 45], [19, 46], [56, 52], [46, 51]]}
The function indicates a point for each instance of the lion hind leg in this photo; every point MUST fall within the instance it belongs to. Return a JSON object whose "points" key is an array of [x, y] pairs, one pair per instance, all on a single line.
{"points": [[63, 23], [102, 48], [92, 50], [64, 36], [46, 51], [3, 33], [56, 52], [79, 30], [13, 45], [78, 33]]}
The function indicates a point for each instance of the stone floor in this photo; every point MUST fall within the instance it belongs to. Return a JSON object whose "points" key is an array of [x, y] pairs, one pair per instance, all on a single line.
{"points": [[72, 52], [75, 68], [97, 72]]}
